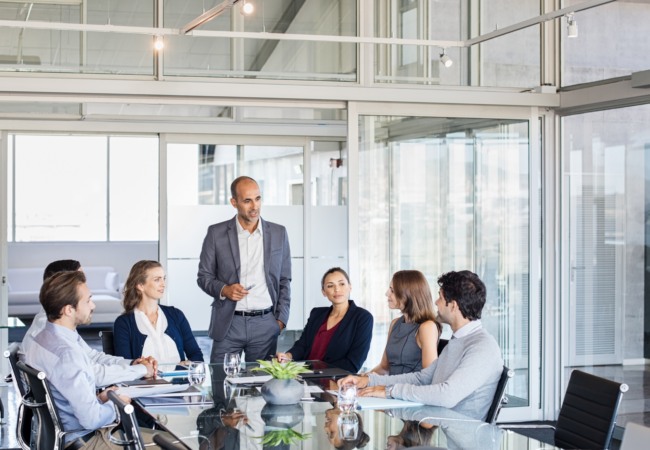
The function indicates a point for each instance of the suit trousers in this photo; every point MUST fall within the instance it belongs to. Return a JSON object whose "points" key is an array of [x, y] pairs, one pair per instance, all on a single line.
{"points": [[257, 336], [101, 442]]}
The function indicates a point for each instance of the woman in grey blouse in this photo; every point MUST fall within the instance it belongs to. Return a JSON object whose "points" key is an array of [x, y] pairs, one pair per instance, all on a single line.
{"points": [[412, 337]]}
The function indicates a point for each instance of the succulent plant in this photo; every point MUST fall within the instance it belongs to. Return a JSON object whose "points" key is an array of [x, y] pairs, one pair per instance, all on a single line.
{"points": [[276, 437], [286, 371]]}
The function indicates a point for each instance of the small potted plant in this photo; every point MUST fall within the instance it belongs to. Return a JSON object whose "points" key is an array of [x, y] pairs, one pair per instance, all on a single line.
{"points": [[283, 389]]}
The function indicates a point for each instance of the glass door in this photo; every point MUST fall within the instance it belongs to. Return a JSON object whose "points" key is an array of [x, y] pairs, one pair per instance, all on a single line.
{"points": [[439, 194]]}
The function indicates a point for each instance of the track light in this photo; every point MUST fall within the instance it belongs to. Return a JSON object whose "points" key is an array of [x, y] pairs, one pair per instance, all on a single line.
{"points": [[446, 60], [246, 8], [572, 26], [159, 43]]}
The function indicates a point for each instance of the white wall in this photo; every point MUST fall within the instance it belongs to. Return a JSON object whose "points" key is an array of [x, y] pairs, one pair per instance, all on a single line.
{"points": [[120, 255]]}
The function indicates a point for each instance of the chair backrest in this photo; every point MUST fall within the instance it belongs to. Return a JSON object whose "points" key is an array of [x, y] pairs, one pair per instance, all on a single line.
{"points": [[442, 343], [24, 424], [635, 437], [128, 424], [38, 398], [107, 342], [588, 414], [500, 398], [165, 443]]}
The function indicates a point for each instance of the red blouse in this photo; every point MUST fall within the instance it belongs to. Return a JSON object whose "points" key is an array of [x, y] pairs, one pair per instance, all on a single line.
{"points": [[322, 340]]}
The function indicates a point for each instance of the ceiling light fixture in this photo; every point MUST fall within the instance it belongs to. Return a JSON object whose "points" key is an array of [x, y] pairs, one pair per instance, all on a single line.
{"points": [[247, 8], [446, 60], [159, 43], [572, 26]]}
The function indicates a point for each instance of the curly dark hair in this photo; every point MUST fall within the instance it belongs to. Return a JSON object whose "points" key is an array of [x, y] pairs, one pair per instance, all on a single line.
{"points": [[467, 289]]}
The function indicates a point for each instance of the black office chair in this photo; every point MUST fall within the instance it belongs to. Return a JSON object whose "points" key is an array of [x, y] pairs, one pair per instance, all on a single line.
{"points": [[166, 443], [588, 415], [132, 439], [24, 423], [107, 342], [38, 398], [442, 343], [500, 397]]}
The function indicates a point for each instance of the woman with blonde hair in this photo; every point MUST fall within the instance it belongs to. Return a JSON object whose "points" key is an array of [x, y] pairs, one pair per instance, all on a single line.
{"points": [[413, 337], [146, 328]]}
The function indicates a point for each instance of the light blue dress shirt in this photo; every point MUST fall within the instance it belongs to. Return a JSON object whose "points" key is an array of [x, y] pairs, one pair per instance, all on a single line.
{"points": [[57, 351]]}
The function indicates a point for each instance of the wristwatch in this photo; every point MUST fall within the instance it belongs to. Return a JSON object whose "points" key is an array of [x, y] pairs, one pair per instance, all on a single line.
{"points": [[388, 390]]}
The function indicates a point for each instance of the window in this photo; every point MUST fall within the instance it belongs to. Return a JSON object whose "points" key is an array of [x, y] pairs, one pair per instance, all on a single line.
{"points": [[62, 188]]}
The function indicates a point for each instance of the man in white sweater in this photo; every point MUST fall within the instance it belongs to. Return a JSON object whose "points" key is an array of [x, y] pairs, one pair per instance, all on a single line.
{"points": [[465, 375]]}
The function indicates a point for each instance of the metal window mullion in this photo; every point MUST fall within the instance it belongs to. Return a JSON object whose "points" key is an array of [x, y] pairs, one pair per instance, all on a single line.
{"points": [[162, 210], [306, 173], [353, 192], [13, 189], [108, 188], [4, 291]]}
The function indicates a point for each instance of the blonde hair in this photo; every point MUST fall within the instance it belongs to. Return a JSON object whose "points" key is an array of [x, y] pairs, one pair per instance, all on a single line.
{"points": [[137, 275]]}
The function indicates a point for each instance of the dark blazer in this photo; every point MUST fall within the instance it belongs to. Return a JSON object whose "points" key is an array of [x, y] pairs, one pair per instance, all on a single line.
{"points": [[220, 266], [350, 344], [128, 340]]}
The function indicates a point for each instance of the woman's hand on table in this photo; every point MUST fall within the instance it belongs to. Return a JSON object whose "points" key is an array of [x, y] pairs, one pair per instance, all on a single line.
{"points": [[361, 382]]}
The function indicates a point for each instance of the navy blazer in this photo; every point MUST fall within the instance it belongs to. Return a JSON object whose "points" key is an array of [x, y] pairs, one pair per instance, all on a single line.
{"points": [[128, 340], [350, 344]]}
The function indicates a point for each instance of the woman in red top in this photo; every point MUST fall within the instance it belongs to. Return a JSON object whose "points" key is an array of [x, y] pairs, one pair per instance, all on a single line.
{"points": [[339, 335]]}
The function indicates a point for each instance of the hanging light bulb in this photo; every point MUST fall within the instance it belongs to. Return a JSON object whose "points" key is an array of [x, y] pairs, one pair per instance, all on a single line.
{"points": [[572, 26], [159, 43], [446, 60], [247, 8]]}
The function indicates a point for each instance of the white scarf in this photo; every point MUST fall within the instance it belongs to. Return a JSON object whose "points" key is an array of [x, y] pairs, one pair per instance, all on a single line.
{"points": [[158, 344]]}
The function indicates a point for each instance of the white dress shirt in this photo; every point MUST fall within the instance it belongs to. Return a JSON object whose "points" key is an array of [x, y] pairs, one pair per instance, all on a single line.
{"points": [[251, 257], [108, 369], [467, 329], [158, 344]]}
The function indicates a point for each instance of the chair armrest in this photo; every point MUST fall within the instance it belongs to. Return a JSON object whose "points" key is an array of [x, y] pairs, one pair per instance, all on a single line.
{"points": [[32, 405], [63, 433]]}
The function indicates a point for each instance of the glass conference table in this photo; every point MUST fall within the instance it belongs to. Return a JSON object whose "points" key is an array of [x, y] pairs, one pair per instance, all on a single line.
{"points": [[238, 418]]}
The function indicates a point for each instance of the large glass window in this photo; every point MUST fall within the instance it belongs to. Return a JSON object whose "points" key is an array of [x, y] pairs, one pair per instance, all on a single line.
{"points": [[268, 59], [512, 60], [440, 194], [62, 188], [612, 42], [606, 198]]}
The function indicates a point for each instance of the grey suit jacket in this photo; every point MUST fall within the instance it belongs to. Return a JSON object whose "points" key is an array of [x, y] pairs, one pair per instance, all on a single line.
{"points": [[220, 266]]}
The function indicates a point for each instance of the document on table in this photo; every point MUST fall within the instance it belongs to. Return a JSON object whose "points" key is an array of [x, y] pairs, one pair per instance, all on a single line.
{"points": [[249, 380], [149, 390], [380, 403]]}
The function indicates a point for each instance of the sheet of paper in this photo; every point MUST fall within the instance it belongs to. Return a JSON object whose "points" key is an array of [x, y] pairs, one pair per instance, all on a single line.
{"points": [[191, 391], [249, 380], [383, 403], [149, 390], [313, 389]]}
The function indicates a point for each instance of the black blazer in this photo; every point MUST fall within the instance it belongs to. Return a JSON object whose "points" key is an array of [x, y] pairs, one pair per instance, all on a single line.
{"points": [[350, 344]]}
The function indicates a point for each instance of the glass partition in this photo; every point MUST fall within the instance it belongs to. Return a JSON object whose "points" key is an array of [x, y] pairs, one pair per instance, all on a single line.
{"points": [[441, 194], [265, 59], [606, 237]]}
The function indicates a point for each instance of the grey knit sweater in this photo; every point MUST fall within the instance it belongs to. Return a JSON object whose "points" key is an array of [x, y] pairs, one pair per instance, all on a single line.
{"points": [[463, 378]]}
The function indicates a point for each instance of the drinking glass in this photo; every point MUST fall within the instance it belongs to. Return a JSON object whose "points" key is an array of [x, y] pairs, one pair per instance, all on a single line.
{"points": [[196, 373], [348, 423], [231, 364], [347, 397]]}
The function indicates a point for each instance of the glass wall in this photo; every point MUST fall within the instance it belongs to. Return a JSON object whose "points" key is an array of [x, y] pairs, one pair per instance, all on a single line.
{"points": [[612, 42], [39, 50], [512, 60], [258, 58], [606, 198], [439, 194], [80, 188]]}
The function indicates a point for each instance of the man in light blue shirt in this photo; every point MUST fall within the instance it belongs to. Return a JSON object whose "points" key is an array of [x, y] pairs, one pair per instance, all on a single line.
{"points": [[108, 369], [58, 352]]}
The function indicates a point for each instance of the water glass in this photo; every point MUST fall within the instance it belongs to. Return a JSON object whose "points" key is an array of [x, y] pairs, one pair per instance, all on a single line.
{"points": [[348, 424], [347, 397], [196, 373], [231, 364]]}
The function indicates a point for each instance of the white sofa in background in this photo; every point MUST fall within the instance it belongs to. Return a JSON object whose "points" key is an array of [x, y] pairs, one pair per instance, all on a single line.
{"points": [[104, 283]]}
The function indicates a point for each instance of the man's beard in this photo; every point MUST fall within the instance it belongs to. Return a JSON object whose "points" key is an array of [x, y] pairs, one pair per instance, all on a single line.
{"points": [[84, 321]]}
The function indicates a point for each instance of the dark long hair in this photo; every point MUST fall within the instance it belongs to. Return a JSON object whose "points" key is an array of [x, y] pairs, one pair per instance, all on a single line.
{"points": [[414, 296]]}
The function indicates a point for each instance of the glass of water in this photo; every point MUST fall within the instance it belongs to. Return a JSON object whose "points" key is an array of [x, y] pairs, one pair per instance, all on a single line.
{"points": [[231, 364], [348, 424], [347, 397], [196, 373]]}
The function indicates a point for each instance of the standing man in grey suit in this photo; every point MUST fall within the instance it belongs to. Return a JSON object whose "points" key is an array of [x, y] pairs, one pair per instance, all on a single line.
{"points": [[245, 266]]}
